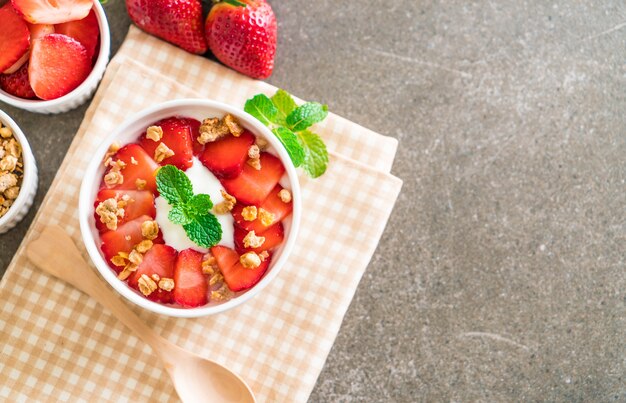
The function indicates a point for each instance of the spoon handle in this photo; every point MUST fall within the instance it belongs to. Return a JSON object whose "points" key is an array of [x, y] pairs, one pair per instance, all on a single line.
{"points": [[55, 253]]}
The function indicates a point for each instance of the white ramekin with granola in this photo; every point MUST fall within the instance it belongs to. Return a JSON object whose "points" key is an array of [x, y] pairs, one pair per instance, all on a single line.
{"points": [[18, 174]]}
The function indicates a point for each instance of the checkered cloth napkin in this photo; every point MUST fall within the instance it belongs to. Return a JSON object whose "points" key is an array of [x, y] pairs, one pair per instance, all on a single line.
{"points": [[58, 344]]}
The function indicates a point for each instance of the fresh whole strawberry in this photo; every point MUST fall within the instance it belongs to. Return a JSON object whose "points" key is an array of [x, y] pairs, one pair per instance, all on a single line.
{"points": [[243, 36], [176, 21]]}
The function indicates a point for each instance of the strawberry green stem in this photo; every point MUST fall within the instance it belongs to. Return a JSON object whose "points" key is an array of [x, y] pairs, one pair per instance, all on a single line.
{"points": [[235, 3]]}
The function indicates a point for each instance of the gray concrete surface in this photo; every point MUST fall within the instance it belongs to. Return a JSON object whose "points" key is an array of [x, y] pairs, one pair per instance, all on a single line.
{"points": [[501, 274]]}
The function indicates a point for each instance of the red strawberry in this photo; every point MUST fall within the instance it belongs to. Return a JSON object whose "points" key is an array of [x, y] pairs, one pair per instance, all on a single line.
{"points": [[39, 30], [17, 83], [139, 203], [236, 276], [52, 12], [194, 126], [144, 169], [36, 32], [274, 236], [272, 204], [50, 74], [14, 38], [160, 260], [225, 257], [85, 31], [252, 186], [177, 137], [123, 239], [243, 38], [191, 286], [226, 157], [176, 21]]}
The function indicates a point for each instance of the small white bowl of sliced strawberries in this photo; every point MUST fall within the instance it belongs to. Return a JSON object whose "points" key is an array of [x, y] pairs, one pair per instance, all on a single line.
{"points": [[190, 208], [53, 54]]}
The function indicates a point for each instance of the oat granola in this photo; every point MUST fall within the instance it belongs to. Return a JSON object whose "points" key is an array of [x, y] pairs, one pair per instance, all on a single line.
{"points": [[266, 217], [227, 205], [251, 240], [11, 169], [284, 195], [162, 152], [250, 260]]}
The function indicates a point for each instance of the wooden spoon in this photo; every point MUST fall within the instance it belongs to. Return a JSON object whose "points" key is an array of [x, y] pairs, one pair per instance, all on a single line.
{"points": [[195, 379]]}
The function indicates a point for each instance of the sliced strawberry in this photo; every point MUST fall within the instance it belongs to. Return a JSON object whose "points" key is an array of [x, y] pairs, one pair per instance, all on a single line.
{"points": [[252, 186], [139, 203], [85, 31], [274, 236], [226, 157], [177, 137], [123, 239], [16, 66], [194, 125], [17, 83], [272, 204], [139, 165], [160, 260], [50, 73], [225, 257], [236, 276], [191, 286], [39, 30], [14, 38], [52, 12], [36, 31]]}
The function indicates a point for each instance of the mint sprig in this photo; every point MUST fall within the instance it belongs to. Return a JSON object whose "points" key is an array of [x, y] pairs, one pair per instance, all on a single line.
{"points": [[191, 211], [289, 123]]}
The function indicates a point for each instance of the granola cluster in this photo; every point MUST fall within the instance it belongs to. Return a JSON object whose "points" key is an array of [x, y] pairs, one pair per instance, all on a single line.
{"points": [[11, 169], [214, 128], [226, 205], [218, 287], [130, 261]]}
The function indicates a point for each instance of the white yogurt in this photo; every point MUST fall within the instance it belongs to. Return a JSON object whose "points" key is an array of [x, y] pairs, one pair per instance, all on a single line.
{"points": [[203, 181]]}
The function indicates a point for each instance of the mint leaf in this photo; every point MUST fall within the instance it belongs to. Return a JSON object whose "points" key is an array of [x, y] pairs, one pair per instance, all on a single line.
{"points": [[262, 108], [200, 204], [316, 155], [174, 185], [178, 215], [285, 104], [306, 115], [205, 230], [289, 123], [291, 143]]}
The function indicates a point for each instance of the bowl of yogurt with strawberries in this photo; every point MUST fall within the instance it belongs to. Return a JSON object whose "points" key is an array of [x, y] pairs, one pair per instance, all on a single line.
{"points": [[190, 208]]}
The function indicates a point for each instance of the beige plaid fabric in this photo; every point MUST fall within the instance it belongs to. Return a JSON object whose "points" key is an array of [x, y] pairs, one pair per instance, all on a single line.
{"points": [[57, 344]]}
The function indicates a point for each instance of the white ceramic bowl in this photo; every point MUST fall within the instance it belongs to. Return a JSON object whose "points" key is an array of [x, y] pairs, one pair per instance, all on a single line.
{"points": [[81, 93], [29, 183], [128, 133]]}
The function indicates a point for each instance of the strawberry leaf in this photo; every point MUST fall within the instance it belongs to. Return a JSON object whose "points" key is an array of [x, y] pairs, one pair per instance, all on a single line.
{"points": [[235, 3]]}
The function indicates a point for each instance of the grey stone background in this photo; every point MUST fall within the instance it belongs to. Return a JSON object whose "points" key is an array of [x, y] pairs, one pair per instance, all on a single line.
{"points": [[500, 276]]}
